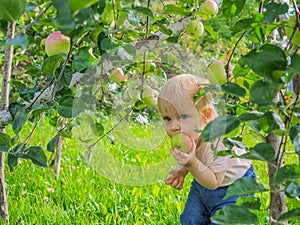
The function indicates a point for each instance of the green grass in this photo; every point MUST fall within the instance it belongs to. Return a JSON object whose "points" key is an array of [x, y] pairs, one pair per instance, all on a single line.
{"points": [[85, 195]]}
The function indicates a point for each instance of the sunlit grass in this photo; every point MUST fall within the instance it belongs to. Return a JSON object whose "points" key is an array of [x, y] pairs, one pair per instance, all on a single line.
{"points": [[87, 195]]}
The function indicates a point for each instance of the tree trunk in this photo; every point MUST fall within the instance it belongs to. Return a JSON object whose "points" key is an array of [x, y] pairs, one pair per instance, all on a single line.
{"points": [[277, 195], [4, 105]]}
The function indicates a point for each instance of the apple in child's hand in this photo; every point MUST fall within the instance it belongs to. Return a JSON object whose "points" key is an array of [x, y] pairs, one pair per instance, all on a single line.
{"points": [[195, 29], [181, 142], [210, 7], [150, 96], [57, 43], [117, 75]]}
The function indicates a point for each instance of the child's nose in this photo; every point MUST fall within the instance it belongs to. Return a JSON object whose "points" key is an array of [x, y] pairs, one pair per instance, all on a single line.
{"points": [[176, 126]]}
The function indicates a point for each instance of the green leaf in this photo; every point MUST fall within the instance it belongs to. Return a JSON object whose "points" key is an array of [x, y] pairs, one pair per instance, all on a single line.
{"points": [[77, 5], [273, 10], [108, 44], [12, 161], [262, 92], [294, 68], [249, 202], [232, 8], [271, 121], [262, 152], [211, 31], [219, 126], [287, 173], [253, 115], [173, 9], [173, 39], [20, 40], [65, 107], [97, 128], [11, 10], [232, 214], [234, 89], [144, 10], [5, 139], [293, 214], [243, 25], [52, 144], [70, 107], [13, 156], [295, 137], [164, 29], [19, 121], [51, 64], [293, 189], [266, 60], [83, 59], [36, 155], [244, 186], [64, 20]]}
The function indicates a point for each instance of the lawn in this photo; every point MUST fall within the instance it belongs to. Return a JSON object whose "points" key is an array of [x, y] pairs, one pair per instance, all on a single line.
{"points": [[121, 185]]}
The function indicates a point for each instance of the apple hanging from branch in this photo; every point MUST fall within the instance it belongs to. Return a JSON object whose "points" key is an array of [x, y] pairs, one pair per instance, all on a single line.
{"points": [[181, 142], [195, 29], [216, 72], [209, 7], [150, 96], [57, 43], [117, 75]]}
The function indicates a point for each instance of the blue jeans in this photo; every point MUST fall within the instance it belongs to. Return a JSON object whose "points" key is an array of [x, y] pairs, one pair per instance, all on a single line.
{"points": [[203, 203]]}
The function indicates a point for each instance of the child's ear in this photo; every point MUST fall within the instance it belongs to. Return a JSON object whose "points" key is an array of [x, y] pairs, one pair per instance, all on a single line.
{"points": [[209, 113]]}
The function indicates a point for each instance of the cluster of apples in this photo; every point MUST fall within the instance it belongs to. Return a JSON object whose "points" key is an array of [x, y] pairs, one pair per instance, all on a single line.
{"points": [[195, 27], [150, 95]]}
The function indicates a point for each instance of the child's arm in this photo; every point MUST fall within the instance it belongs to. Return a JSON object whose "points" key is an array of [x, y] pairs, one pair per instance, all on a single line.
{"points": [[176, 177], [202, 174]]}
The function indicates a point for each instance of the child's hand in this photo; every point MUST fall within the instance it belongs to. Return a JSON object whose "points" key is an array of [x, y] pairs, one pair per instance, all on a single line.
{"points": [[176, 178]]}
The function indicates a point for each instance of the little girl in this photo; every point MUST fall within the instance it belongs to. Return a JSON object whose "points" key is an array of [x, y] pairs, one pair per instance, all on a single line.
{"points": [[212, 175]]}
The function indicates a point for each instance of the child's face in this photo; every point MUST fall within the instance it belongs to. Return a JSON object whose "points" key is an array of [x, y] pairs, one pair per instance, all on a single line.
{"points": [[184, 120]]}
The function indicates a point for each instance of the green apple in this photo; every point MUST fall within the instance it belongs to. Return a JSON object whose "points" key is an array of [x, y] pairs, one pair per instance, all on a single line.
{"points": [[150, 96], [216, 72], [210, 7], [117, 75], [181, 142], [195, 29], [57, 43], [291, 24]]}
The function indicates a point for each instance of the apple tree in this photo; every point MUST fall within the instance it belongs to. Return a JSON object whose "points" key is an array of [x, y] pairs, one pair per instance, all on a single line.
{"points": [[64, 61]]}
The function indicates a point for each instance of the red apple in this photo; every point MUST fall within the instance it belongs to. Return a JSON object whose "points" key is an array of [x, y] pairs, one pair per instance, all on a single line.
{"points": [[117, 75], [150, 96], [57, 43], [181, 142], [210, 7], [195, 29]]}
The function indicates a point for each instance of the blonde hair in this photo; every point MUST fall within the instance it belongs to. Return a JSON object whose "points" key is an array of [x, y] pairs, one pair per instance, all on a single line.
{"points": [[181, 90]]}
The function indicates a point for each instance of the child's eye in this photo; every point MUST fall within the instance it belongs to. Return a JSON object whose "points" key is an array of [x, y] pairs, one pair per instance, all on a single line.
{"points": [[183, 116], [166, 118]]}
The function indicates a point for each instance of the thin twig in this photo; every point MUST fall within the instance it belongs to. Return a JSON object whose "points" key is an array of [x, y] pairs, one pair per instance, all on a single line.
{"points": [[36, 19], [33, 129], [111, 129]]}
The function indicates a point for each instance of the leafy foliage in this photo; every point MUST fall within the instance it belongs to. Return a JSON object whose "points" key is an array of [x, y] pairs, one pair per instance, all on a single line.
{"points": [[150, 44]]}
